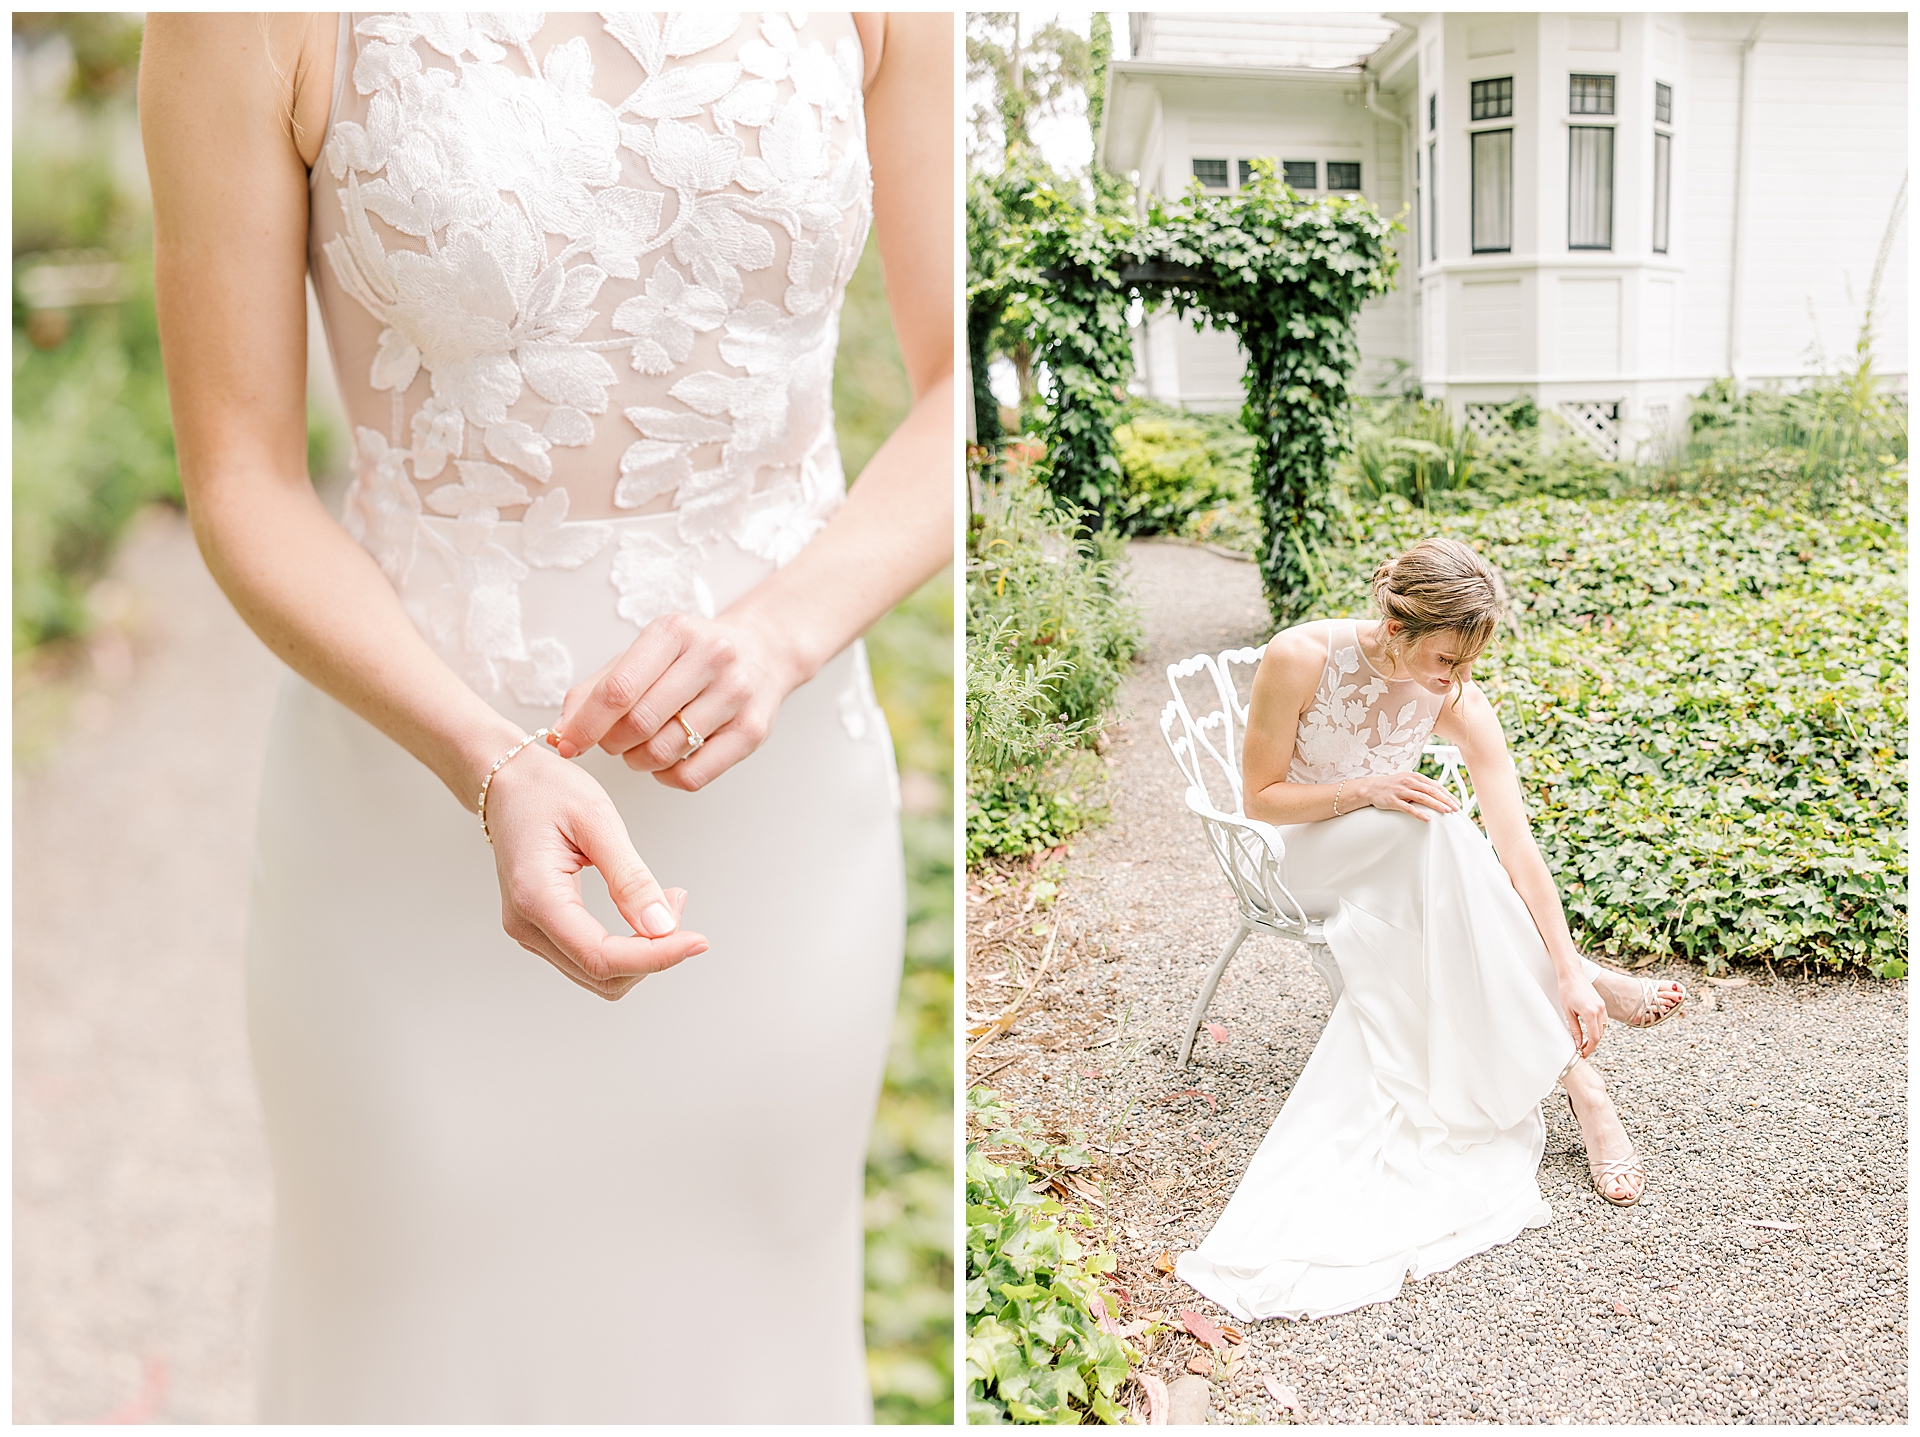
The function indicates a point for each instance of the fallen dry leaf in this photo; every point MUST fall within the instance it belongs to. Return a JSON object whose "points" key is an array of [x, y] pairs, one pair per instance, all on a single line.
{"points": [[1210, 1145], [1217, 1032], [1156, 1391], [1283, 1396], [1201, 1328], [1195, 1093], [1621, 1309], [1200, 1365], [1164, 1262], [1233, 1335]]}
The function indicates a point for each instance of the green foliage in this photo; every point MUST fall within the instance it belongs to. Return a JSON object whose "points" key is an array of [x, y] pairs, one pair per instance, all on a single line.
{"points": [[92, 443], [1707, 711], [1035, 1348], [1287, 276], [1179, 466], [909, 1208], [1049, 637]]}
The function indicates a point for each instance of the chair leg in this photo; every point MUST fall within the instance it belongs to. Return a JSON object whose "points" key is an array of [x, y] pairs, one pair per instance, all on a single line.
{"points": [[1321, 957], [1206, 989]]}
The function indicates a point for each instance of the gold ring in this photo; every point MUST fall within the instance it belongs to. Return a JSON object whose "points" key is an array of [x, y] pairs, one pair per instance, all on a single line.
{"points": [[694, 740]]}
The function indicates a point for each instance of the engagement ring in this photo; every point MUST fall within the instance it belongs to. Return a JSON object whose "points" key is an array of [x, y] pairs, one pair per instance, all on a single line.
{"points": [[694, 740]]}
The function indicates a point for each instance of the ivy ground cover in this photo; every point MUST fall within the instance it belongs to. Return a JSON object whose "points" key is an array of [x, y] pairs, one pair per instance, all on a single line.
{"points": [[1707, 709]]}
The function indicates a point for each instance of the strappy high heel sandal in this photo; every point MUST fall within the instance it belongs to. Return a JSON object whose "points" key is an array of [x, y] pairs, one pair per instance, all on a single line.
{"points": [[1612, 1169], [1647, 1015]]}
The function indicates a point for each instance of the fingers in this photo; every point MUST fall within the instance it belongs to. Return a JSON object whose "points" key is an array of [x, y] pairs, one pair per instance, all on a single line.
{"points": [[706, 713], [721, 752], [603, 841], [622, 685]]}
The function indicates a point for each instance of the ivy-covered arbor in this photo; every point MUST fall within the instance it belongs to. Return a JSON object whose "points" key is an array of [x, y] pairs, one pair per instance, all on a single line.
{"points": [[1286, 276]]}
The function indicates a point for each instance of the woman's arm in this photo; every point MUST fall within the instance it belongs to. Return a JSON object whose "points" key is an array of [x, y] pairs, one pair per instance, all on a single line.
{"points": [[228, 116], [895, 529], [1283, 686], [1472, 726]]}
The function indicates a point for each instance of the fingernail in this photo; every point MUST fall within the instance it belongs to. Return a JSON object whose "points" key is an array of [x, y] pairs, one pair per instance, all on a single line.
{"points": [[696, 950], [566, 748], [657, 920]]}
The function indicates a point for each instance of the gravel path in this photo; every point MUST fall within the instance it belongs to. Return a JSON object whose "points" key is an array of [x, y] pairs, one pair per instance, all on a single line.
{"points": [[141, 1189], [1765, 1102]]}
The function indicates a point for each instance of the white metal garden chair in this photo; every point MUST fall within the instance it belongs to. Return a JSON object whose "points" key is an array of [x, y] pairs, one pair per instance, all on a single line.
{"points": [[1207, 749]]}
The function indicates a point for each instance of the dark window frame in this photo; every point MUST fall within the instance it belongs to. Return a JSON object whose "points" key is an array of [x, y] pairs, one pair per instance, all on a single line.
{"points": [[1354, 166], [1488, 100], [1287, 168], [1197, 162], [1662, 103], [1433, 112], [1587, 100], [1573, 133], [1473, 191]]}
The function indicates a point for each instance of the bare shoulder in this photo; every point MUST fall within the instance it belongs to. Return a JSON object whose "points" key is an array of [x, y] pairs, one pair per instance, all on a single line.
{"points": [[1470, 722], [1296, 653]]}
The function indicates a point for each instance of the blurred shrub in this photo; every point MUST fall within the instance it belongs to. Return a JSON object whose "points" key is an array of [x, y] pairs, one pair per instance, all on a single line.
{"points": [[1178, 466], [1050, 633]]}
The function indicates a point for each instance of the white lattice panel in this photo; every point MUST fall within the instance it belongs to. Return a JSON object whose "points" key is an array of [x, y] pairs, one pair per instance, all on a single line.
{"points": [[1489, 422], [1596, 421]]}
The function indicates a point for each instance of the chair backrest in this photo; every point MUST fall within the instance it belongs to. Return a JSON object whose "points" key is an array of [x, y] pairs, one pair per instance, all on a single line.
{"points": [[1213, 763], [1244, 848]]}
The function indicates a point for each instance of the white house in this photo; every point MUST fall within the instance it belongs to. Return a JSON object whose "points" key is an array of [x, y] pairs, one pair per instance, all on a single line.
{"points": [[1602, 212]]}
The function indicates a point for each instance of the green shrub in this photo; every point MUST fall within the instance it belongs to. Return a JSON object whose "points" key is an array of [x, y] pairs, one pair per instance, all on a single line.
{"points": [[1035, 1348], [1049, 637], [1707, 709], [92, 443], [909, 1209], [1179, 466]]}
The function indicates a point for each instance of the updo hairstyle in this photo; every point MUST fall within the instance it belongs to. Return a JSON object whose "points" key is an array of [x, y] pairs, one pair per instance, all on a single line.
{"points": [[1438, 586]]}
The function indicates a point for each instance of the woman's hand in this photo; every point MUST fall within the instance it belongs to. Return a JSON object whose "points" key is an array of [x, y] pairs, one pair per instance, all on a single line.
{"points": [[1585, 1012], [549, 820], [1404, 793], [719, 678]]}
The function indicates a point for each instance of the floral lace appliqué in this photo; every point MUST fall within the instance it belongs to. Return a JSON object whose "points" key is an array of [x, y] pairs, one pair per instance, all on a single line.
{"points": [[1356, 728], [498, 179]]}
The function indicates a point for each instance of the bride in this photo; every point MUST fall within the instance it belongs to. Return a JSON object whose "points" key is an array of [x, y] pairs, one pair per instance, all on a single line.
{"points": [[581, 278], [1413, 1136]]}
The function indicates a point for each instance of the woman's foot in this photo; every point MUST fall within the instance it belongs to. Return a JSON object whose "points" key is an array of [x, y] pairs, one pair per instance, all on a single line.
{"points": [[1618, 1175], [1638, 1002]]}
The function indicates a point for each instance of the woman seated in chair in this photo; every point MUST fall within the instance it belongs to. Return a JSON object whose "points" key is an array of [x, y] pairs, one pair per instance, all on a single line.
{"points": [[1413, 1137]]}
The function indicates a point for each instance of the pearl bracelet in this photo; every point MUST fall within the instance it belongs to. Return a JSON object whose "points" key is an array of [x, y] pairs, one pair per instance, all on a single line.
{"points": [[1336, 791], [480, 806]]}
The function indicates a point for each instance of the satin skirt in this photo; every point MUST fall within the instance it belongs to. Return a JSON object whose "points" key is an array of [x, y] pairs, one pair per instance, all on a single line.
{"points": [[501, 1198], [1413, 1137]]}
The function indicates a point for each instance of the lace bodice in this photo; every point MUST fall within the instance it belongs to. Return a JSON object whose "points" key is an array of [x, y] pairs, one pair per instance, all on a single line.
{"points": [[1360, 722], [580, 267]]}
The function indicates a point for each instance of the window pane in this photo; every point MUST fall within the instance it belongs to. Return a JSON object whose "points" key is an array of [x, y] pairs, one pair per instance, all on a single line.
{"points": [[1590, 188], [1211, 173], [1662, 190], [1492, 190], [1663, 103], [1302, 174], [1246, 172], [1492, 99], [1343, 174], [1590, 94], [1433, 112], [1433, 201]]}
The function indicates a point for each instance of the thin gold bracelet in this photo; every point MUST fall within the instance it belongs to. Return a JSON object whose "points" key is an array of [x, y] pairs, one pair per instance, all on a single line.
{"points": [[1336, 794], [480, 806]]}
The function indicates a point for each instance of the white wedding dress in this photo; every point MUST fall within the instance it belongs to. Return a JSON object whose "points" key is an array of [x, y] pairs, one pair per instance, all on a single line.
{"points": [[1413, 1136], [581, 277]]}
